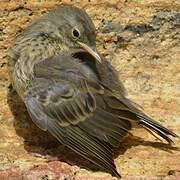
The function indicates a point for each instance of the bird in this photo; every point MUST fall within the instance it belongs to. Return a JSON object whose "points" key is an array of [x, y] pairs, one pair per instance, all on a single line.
{"points": [[71, 91]]}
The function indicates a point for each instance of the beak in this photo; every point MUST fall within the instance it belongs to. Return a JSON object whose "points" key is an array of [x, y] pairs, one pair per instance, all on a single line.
{"points": [[90, 51]]}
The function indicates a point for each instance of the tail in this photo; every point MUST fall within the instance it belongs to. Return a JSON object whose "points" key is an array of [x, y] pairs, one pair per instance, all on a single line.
{"points": [[154, 127], [127, 110]]}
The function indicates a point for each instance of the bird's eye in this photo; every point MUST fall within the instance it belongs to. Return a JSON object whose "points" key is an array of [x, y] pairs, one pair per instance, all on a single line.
{"points": [[75, 33]]}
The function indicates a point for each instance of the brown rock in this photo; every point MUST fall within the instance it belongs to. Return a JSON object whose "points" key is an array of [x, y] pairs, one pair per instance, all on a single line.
{"points": [[141, 39]]}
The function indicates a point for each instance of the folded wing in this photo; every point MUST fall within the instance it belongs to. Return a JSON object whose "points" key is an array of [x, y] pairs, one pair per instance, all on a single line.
{"points": [[74, 109]]}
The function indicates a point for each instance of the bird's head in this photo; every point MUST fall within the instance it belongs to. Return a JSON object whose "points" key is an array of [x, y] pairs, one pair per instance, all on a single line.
{"points": [[73, 28]]}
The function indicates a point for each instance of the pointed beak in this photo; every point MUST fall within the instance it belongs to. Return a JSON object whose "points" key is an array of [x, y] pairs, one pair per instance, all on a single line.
{"points": [[90, 51]]}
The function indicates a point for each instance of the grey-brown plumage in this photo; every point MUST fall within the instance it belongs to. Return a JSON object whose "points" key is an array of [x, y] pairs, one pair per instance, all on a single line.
{"points": [[71, 91]]}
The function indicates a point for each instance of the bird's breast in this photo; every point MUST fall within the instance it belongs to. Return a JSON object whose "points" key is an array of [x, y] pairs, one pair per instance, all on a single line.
{"points": [[89, 72], [30, 52]]}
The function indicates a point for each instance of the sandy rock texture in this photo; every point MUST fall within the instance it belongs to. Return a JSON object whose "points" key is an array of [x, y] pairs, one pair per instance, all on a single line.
{"points": [[142, 41]]}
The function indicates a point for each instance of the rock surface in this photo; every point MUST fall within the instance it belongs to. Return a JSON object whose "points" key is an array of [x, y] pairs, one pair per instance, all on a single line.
{"points": [[142, 41]]}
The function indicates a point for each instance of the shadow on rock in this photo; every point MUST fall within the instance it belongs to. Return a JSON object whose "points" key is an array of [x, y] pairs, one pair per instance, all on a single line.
{"points": [[33, 136], [132, 141]]}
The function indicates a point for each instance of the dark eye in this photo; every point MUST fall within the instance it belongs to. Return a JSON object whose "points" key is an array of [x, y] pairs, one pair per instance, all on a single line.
{"points": [[75, 33]]}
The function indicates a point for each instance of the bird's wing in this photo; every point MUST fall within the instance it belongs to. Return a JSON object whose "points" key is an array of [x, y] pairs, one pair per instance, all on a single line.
{"points": [[73, 109]]}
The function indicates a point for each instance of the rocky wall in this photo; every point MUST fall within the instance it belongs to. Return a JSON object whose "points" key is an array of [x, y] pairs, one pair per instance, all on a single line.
{"points": [[142, 41]]}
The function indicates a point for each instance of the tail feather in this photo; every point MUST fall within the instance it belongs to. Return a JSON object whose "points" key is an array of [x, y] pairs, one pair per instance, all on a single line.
{"points": [[154, 127]]}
